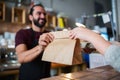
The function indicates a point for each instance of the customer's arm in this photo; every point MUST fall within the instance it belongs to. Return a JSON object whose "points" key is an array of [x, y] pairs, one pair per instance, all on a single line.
{"points": [[112, 56], [85, 34], [110, 51]]}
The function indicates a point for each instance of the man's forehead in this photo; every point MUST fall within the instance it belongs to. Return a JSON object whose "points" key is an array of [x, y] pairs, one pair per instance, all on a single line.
{"points": [[39, 8]]}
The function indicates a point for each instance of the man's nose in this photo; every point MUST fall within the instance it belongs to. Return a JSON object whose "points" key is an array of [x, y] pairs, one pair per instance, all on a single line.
{"points": [[42, 15]]}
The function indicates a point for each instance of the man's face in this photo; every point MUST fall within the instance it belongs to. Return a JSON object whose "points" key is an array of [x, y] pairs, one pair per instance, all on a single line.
{"points": [[39, 16]]}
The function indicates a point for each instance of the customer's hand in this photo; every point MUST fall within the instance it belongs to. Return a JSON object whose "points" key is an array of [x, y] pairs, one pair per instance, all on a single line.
{"points": [[81, 33], [45, 39]]}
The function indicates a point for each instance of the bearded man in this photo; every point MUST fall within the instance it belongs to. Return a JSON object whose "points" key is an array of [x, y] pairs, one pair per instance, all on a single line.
{"points": [[30, 44]]}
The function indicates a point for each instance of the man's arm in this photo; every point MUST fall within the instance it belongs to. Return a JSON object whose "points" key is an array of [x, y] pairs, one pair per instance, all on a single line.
{"points": [[24, 55]]}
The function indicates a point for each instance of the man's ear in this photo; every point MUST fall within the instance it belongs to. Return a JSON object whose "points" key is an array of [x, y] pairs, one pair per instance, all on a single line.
{"points": [[30, 17]]}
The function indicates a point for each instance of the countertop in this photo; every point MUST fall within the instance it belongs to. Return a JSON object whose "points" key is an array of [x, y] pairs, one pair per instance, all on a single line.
{"points": [[9, 66], [100, 73], [7, 69]]}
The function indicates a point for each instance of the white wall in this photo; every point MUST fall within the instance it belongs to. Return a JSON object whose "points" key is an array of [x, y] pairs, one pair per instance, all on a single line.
{"points": [[72, 8], [75, 8]]}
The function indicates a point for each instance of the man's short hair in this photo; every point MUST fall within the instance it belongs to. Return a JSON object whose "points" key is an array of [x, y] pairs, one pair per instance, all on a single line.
{"points": [[32, 8]]}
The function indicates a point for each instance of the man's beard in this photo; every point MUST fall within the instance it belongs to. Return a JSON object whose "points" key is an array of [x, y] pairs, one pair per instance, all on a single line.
{"points": [[40, 25]]}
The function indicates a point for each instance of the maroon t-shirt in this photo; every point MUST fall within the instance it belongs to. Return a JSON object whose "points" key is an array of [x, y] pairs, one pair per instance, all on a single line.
{"points": [[25, 36], [36, 69]]}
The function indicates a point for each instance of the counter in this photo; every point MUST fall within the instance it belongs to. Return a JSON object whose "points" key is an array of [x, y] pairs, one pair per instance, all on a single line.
{"points": [[13, 69], [100, 73], [9, 71], [5, 67]]}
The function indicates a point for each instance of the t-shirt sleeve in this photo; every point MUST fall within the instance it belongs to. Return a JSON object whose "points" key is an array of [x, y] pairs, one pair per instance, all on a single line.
{"points": [[19, 38], [112, 56]]}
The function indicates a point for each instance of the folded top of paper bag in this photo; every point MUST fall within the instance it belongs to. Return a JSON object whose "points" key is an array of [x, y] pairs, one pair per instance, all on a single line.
{"points": [[61, 34]]}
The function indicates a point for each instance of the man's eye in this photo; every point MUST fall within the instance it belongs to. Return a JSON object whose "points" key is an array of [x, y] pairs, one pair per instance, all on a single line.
{"points": [[44, 14], [39, 13]]}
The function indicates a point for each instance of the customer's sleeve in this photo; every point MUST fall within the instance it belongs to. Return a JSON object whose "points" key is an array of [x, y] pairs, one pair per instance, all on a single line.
{"points": [[112, 56]]}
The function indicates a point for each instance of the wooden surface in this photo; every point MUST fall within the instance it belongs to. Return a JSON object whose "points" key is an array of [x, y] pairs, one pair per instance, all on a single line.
{"points": [[61, 68], [100, 73]]}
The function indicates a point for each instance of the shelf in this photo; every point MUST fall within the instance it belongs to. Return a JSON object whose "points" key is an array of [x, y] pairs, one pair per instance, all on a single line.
{"points": [[51, 21], [2, 11], [18, 15]]}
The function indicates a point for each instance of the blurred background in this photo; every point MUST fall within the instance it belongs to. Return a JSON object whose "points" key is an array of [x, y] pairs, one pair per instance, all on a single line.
{"points": [[101, 16]]}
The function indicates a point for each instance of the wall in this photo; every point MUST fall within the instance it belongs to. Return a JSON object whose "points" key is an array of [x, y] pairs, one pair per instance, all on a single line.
{"points": [[76, 8], [10, 27], [72, 8]]}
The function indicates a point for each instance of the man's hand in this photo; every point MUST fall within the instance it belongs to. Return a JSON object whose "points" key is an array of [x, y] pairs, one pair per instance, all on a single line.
{"points": [[45, 39]]}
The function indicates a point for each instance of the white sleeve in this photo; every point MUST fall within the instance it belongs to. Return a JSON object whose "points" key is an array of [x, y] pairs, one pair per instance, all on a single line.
{"points": [[112, 56]]}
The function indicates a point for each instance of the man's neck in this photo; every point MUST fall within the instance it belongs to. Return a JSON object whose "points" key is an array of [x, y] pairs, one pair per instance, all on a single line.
{"points": [[37, 29]]}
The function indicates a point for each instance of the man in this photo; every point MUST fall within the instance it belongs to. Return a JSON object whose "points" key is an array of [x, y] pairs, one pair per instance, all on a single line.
{"points": [[30, 44]]}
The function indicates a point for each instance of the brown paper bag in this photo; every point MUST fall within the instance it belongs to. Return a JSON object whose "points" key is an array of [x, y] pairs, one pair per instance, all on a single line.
{"points": [[63, 50]]}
